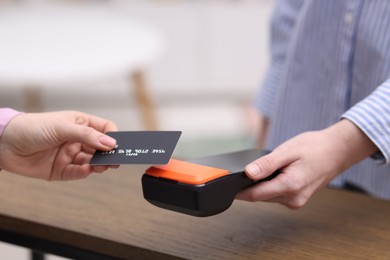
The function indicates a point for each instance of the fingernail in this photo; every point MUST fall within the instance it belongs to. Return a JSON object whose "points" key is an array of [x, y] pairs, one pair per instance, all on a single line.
{"points": [[107, 141], [253, 171]]}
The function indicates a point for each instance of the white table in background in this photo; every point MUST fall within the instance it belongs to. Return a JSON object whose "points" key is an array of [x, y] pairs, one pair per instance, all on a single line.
{"points": [[64, 45]]}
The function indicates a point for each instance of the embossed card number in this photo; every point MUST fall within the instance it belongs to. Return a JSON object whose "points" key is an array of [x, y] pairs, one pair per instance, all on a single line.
{"points": [[139, 147]]}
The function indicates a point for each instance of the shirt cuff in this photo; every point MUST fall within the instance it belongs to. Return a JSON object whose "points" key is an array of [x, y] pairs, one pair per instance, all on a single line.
{"points": [[6, 115], [372, 116]]}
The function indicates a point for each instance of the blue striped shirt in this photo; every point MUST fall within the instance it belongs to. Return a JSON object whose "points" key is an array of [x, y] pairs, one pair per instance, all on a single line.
{"points": [[330, 60]]}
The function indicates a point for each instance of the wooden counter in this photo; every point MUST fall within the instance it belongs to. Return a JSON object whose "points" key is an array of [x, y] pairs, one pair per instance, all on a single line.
{"points": [[107, 215]]}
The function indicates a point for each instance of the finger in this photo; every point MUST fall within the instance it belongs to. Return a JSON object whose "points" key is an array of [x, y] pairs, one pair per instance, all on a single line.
{"points": [[268, 164], [73, 172], [87, 149], [65, 156], [289, 202], [286, 189], [258, 193], [98, 123], [82, 158], [86, 135], [100, 168], [283, 184], [280, 199]]}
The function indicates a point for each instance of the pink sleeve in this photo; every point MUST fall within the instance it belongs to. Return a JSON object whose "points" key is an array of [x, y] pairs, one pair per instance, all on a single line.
{"points": [[6, 114]]}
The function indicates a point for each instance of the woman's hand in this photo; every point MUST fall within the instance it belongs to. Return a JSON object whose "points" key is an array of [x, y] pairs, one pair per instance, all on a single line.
{"points": [[54, 146]]}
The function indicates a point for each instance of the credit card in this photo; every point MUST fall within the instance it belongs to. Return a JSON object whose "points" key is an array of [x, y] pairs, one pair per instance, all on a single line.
{"points": [[138, 147]]}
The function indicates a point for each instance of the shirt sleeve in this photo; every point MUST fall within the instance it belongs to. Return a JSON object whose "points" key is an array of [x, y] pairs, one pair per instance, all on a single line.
{"points": [[6, 114], [372, 116], [283, 21]]}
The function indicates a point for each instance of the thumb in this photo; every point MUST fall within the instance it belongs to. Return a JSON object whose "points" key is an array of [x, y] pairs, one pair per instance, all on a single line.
{"points": [[88, 136], [266, 165]]}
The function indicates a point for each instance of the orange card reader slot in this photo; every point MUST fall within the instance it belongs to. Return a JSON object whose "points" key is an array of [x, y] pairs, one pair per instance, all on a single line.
{"points": [[186, 172]]}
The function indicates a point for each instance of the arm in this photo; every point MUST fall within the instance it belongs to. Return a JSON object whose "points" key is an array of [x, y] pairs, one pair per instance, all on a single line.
{"points": [[283, 23], [311, 160]]}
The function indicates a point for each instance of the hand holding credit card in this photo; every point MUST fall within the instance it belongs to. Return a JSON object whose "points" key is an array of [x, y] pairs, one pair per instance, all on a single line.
{"points": [[138, 147]]}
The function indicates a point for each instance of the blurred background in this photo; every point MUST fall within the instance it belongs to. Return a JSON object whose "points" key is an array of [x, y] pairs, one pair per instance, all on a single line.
{"points": [[189, 65]]}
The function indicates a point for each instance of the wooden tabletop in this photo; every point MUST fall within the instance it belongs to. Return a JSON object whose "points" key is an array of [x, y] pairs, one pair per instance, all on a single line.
{"points": [[106, 213]]}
